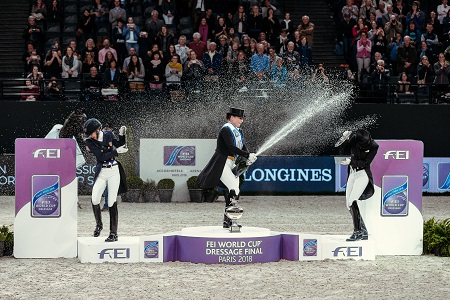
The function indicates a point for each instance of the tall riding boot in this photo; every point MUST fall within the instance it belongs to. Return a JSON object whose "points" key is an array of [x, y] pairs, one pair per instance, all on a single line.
{"points": [[226, 220], [113, 222], [354, 211], [98, 219], [362, 226]]}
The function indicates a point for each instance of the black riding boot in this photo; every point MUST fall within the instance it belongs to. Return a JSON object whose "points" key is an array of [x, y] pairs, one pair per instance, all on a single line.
{"points": [[362, 227], [113, 222], [354, 211], [226, 220], [98, 219]]}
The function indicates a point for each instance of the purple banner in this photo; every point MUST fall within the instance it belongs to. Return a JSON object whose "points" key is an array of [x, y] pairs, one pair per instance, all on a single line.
{"points": [[42, 157]]}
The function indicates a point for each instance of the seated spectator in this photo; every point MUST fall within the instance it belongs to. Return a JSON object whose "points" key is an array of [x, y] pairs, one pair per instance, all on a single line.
{"points": [[173, 73], [252, 49], [279, 73], [112, 76], [136, 73], [90, 49], [182, 49], [240, 68], [131, 33], [53, 62], [219, 30], [27, 57], [380, 80], [193, 71], [319, 75], [35, 76], [271, 26], [262, 40], [366, 9], [223, 46], [390, 15], [442, 11], [265, 7], [39, 10], [281, 42], [169, 10], [164, 39], [76, 53], [403, 84], [153, 25], [373, 66], [212, 62], [363, 54], [425, 76], [406, 57], [204, 30], [102, 53], [442, 71], [306, 28], [34, 60], [91, 85], [392, 27], [53, 91], [260, 64], [351, 10], [86, 28], [116, 13], [254, 22], [415, 15], [232, 54], [69, 64], [287, 24], [167, 57], [273, 57], [392, 51], [33, 33], [54, 12], [291, 59], [197, 45], [154, 71], [240, 22], [437, 27], [88, 63], [305, 53], [380, 12], [107, 63], [430, 37], [100, 11], [414, 33], [424, 50], [30, 92]]}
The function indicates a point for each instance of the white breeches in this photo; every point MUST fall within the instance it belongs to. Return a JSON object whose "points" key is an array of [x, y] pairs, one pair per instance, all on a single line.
{"points": [[110, 177], [356, 184], [228, 178]]}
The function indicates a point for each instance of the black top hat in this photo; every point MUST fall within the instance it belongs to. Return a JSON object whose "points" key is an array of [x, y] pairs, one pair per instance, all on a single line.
{"points": [[235, 112], [90, 126]]}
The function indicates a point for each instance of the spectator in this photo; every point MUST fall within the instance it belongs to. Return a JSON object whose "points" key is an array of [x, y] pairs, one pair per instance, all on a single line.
{"points": [[154, 71], [401, 10], [211, 19], [271, 26], [351, 10], [392, 51], [135, 70], [102, 53], [169, 10], [116, 13], [373, 31], [199, 10], [262, 40], [167, 57], [425, 75], [265, 7], [345, 29], [91, 49], [100, 11], [425, 50], [279, 73], [131, 33], [291, 58], [86, 27], [76, 53], [165, 39], [232, 55], [260, 64], [392, 27], [220, 29], [223, 47], [363, 54], [255, 22], [380, 12], [107, 63], [39, 10], [173, 72], [273, 57], [388, 16], [127, 60], [415, 15], [30, 92], [442, 71], [430, 37], [240, 22], [91, 85], [88, 63], [281, 42], [112, 76], [406, 57], [54, 12], [306, 28], [53, 62], [33, 33], [69, 64], [359, 28], [197, 45], [119, 42], [380, 80], [437, 28], [251, 50], [287, 24], [373, 66], [31, 58], [379, 44], [442, 11], [212, 62], [366, 9], [204, 30], [305, 53], [403, 84], [182, 49], [53, 91], [319, 75], [35, 76], [193, 71], [414, 33], [240, 68], [153, 25]]}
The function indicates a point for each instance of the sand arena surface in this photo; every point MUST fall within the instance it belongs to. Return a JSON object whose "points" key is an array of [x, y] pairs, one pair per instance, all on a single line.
{"points": [[388, 277]]}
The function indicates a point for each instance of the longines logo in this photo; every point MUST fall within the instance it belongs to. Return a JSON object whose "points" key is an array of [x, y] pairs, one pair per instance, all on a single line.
{"points": [[47, 153], [397, 154]]}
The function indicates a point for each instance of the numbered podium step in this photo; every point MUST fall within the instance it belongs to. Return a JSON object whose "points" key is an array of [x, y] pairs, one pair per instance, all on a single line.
{"points": [[215, 245]]}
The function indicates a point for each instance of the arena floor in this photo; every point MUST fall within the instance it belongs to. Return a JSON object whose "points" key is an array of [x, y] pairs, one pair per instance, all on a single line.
{"points": [[388, 277]]}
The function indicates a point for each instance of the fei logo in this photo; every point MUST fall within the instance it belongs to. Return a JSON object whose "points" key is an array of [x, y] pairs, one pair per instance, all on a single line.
{"points": [[179, 155], [397, 154], [47, 153], [115, 253], [348, 251], [443, 170], [309, 247]]}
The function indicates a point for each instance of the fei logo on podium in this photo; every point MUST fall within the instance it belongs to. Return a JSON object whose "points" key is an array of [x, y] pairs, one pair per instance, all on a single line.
{"points": [[395, 195], [46, 193]]}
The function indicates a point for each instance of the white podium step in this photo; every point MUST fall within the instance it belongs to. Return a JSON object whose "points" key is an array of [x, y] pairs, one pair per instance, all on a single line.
{"points": [[96, 250]]}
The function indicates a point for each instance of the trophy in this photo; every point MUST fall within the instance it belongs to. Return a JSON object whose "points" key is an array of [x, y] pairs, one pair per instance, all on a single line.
{"points": [[234, 212]]}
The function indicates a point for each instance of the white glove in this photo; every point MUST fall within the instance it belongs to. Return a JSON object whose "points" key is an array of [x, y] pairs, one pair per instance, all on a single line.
{"points": [[122, 130], [122, 149], [251, 159], [345, 162]]}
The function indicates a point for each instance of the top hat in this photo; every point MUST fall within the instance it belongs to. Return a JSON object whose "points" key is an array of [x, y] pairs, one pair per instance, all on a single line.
{"points": [[236, 112]]}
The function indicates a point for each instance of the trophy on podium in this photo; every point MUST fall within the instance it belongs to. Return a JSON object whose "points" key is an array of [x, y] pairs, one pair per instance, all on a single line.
{"points": [[234, 212]]}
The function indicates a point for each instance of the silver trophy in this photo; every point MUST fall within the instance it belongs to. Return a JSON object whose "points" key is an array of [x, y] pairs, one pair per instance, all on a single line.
{"points": [[234, 212]]}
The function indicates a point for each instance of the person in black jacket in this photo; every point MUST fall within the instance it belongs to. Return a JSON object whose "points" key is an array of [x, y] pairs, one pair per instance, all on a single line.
{"points": [[108, 172], [362, 149], [219, 170]]}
